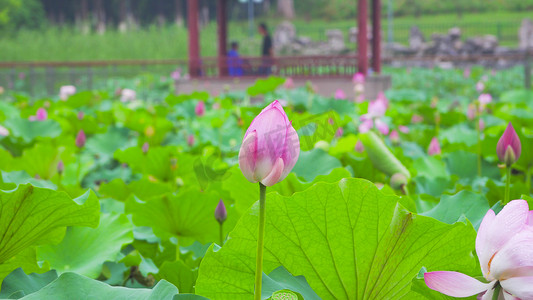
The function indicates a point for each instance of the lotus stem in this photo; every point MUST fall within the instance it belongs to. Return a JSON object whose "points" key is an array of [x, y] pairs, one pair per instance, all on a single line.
{"points": [[260, 242]]}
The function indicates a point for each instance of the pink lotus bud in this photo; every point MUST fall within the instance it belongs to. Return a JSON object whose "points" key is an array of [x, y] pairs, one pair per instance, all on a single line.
{"points": [[270, 147], [471, 112], [434, 147], [381, 97], [60, 167], [481, 124], [358, 78], [81, 139], [394, 137], [509, 147], [80, 115], [340, 95], [199, 110], [339, 132], [485, 99], [466, 73], [66, 91], [403, 129], [220, 212], [359, 147], [190, 140], [417, 119], [41, 114], [382, 127], [480, 86], [3, 131], [127, 95], [145, 147], [366, 126], [289, 83]]}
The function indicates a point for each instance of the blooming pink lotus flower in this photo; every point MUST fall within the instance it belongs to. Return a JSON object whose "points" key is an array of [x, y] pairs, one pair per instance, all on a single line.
{"points": [[417, 119], [199, 110], [358, 78], [81, 139], [403, 129], [190, 140], [41, 114], [359, 147], [220, 212], [480, 86], [289, 83], [366, 125], [509, 147], [485, 99], [394, 137], [3, 131], [504, 246], [340, 95], [66, 91], [434, 147], [270, 147], [176, 75], [377, 108], [382, 127], [127, 95]]}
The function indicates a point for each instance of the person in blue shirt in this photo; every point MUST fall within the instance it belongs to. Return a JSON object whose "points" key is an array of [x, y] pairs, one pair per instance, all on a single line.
{"points": [[234, 61]]}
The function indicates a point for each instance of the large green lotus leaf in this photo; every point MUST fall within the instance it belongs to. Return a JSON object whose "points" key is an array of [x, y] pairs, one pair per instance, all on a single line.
{"points": [[315, 162], [74, 286], [27, 260], [263, 86], [6, 160], [464, 165], [12, 179], [348, 239], [453, 208], [42, 159], [20, 284], [188, 215], [29, 130], [105, 144], [313, 128], [248, 193], [156, 162], [84, 250], [34, 216], [430, 167], [143, 188], [434, 186], [179, 274], [381, 156]]}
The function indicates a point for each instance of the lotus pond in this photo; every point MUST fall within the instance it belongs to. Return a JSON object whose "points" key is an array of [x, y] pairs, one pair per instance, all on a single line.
{"points": [[144, 193]]}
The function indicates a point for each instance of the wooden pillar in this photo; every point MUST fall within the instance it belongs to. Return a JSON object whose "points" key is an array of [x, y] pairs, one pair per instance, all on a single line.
{"points": [[376, 35], [362, 41], [194, 44], [222, 31]]}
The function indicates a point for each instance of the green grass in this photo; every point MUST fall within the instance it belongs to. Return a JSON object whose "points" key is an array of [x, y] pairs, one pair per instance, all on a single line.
{"points": [[68, 44]]}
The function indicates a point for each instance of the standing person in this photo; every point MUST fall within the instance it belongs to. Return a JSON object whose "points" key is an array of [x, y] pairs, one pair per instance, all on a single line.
{"points": [[267, 51], [234, 61]]}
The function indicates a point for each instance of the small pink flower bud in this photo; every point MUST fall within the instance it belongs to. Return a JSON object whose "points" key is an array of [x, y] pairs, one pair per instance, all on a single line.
{"points": [[221, 213], [417, 119], [403, 129], [382, 127], [60, 167], [485, 99], [481, 124], [509, 147], [41, 114], [394, 137], [480, 86], [81, 139], [359, 147], [190, 140], [270, 147], [434, 147], [471, 112], [199, 110], [80, 115], [289, 83], [358, 78], [145, 147], [339, 132]]}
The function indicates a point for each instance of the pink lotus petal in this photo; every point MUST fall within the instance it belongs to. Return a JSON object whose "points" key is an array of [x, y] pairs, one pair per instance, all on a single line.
{"points": [[275, 174], [521, 287], [515, 258], [366, 126], [403, 129], [382, 127], [454, 284], [434, 147], [509, 140], [495, 232], [359, 147]]}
